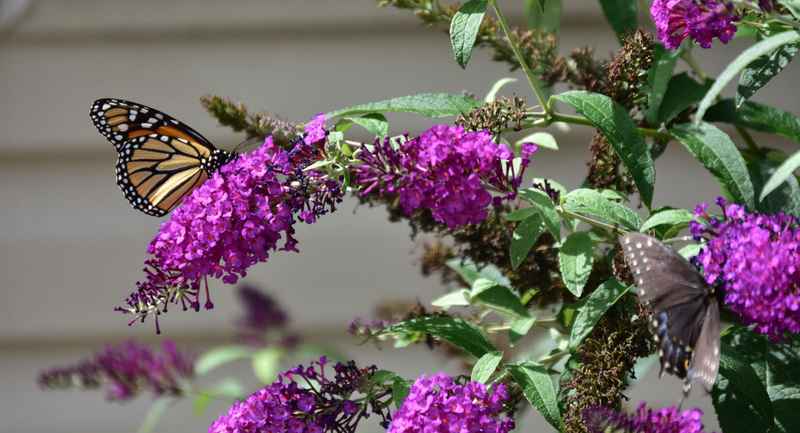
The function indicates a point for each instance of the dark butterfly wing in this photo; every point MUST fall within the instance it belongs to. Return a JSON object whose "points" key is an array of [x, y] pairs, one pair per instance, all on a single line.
{"points": [[685, 322], [662, 277], [119, 121], [705, 363]]}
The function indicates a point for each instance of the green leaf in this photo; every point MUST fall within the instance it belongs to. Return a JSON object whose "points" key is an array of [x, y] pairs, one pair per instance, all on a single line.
{"points": [[592, 203], [544, 15], [521, 214], [781, 175], [524, 238], [738, 396], [400, 389], [715, 150], [690, 250], [499, 298], [592, 308], [456, 331], [682, 92], [424, 104], [492, 95], [464, 29], [267, 363], [219, 356], [538, 388], [658, 79], [669, 217], [575, 259], [227, 388], [485, 367], [622, 15], [520, 328], [793, 6], [757, 116], [459, 298], [374, 123], [542, 204], [467, 270], [786, 195], [541, 139], [757, 74], [745, 58], [621, 131]]}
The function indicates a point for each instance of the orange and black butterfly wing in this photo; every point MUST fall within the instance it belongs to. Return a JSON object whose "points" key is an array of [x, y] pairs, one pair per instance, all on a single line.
{"points": [[119, 121], [156, 171]]}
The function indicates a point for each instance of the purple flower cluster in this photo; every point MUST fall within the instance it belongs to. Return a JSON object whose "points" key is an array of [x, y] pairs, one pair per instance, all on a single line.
{"points": [[447, 170], [644, 420], [700, 20], [263, 320], [125, 371], [301, 400], [437, 404], [233, 221], [755, 259]]}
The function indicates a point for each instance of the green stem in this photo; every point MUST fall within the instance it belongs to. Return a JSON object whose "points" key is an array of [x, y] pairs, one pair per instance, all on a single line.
{"points": [[546, 119], [751, 143], [533, 80], [690, 60]]}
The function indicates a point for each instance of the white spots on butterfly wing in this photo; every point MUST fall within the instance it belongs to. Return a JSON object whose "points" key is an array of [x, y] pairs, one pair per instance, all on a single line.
{"points": [[641, 292], [640, 282], [644, 260], [152, 120], [649, 242], [164, 138], [105, 107], [118, 137], [638, 245], [147, 125], [123, 127], [160, 116]]}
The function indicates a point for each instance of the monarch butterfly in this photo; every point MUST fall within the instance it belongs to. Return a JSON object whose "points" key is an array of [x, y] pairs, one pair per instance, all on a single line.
{"points": [[685, 322], [160, 159]]}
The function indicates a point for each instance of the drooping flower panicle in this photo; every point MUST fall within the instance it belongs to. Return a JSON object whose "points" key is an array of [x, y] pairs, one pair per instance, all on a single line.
{"points": [[644, 420], [437, 404], [241, 214], [699, 20], [125, 371], [755, 259], [456, 174], [303, 400], [264, 321]]}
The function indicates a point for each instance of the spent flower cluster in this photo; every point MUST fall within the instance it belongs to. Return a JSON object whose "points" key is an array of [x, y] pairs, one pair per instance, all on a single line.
{"points": [[125, 371], [755, 259]]}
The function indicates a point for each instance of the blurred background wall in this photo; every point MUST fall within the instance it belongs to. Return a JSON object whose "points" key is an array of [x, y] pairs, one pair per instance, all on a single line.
{"points": [[71, 247]]}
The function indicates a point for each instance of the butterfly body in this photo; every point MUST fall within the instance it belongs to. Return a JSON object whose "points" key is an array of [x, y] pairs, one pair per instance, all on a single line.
{"points": [[160, 159], [685, 321]]}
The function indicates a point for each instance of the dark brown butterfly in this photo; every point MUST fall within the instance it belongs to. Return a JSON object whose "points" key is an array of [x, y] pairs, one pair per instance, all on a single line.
{"points": [[160, 159], [685, 320]]}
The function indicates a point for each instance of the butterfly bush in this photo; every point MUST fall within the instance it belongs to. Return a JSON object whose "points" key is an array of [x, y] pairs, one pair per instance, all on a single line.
{"points": [[451, 172], [755, 259], [125, 371], [699, 20], [644, 420], [237, 218], [304, 399], [437, 404]]}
